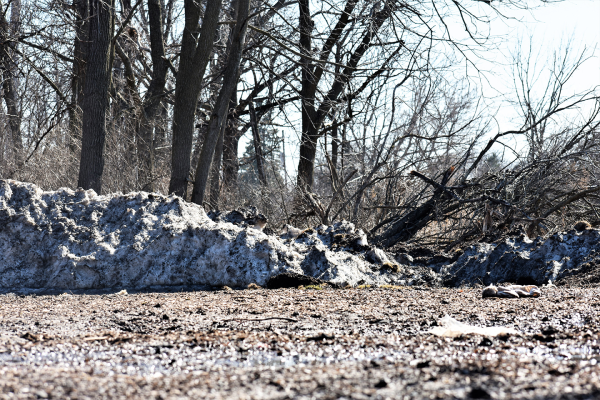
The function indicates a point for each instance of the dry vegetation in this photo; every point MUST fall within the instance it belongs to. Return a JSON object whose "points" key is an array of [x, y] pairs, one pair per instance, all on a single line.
{"points": [[388, 137]]}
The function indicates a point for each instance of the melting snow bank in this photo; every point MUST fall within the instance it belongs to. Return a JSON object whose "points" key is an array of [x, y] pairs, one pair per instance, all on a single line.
{"points": [[524, 261], [76, 239]]}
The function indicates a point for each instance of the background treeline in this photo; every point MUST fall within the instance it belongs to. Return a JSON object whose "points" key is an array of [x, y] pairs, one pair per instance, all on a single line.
{"points": [[391, 133]]}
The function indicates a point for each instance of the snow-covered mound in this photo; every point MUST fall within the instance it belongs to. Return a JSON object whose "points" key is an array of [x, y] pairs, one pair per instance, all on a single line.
{"points": [[76, 239], [523, 260]]}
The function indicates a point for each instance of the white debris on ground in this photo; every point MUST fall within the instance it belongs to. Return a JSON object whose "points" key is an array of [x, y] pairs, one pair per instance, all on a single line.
{"points": [[76, 239], [449, 327], [511, 291]]}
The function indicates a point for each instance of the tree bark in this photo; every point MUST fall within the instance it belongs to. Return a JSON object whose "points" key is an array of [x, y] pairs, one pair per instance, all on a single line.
{"points": [[192, 64], [215, 169], [78, 78], [334, 145], [219, 114], [152, 106], [95, 94], [231, 141], [258, 153], [308, 144], [409, 225], [9, 84]]}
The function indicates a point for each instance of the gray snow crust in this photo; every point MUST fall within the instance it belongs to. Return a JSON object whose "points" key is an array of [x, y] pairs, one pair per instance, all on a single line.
{"points": [[76, 239], [520, 259]]}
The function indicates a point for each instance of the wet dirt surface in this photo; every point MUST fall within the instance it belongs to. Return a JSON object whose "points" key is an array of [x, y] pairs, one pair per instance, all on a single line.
{"points": [[298, 343]]}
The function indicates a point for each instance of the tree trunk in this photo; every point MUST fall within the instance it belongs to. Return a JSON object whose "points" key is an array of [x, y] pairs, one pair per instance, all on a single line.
{"points": [[78, 78], [231, 141], [257, 147], [9, 84], [152, 103], [126, 99], [409, 225], [231, 136], [334, 145], [215, 169], [313, 118], [95, 94], [219, 114], [193, 60], [308, 144], [215, 182]]}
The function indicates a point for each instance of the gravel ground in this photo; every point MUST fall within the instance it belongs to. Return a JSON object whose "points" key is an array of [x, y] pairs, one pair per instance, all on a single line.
{"points": [[298, 343]]}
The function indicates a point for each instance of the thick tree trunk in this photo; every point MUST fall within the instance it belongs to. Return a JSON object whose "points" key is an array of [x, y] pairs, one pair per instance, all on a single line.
{"points": [[9, 85], [192, 64], [308, 144], [306, 165], [95, 94], [219, 114], [78, 78], [14, 116], [152, 106]]}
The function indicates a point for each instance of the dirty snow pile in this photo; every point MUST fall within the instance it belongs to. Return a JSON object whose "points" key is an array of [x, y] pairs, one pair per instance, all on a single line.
{"points": [[520, 259], [76, 239]]}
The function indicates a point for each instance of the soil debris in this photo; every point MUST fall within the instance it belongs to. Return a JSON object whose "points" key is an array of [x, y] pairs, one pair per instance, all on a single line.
{"points": [[292, 280], [289, 343]]}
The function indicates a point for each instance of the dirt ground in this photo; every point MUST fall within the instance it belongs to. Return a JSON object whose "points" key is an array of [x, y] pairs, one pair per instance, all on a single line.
{"points": [[298, 343]]}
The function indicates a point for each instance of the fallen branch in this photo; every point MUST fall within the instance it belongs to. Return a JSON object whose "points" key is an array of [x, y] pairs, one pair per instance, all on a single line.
{"points": [[571, 199], [456, 197]]}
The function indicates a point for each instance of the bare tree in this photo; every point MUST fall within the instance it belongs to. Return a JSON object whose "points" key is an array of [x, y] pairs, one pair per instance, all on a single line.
{"points": [[555, 173], [8, 59], [362, 83], [152, 104], [220, 111], [196, 47], [95, 93]]}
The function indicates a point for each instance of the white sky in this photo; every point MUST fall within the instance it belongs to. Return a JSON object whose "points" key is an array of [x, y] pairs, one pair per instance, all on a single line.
{"points": [[546, 27]]}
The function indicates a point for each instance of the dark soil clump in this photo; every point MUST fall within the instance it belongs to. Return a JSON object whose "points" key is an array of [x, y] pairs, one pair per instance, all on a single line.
{"points": [[292, 280]]}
